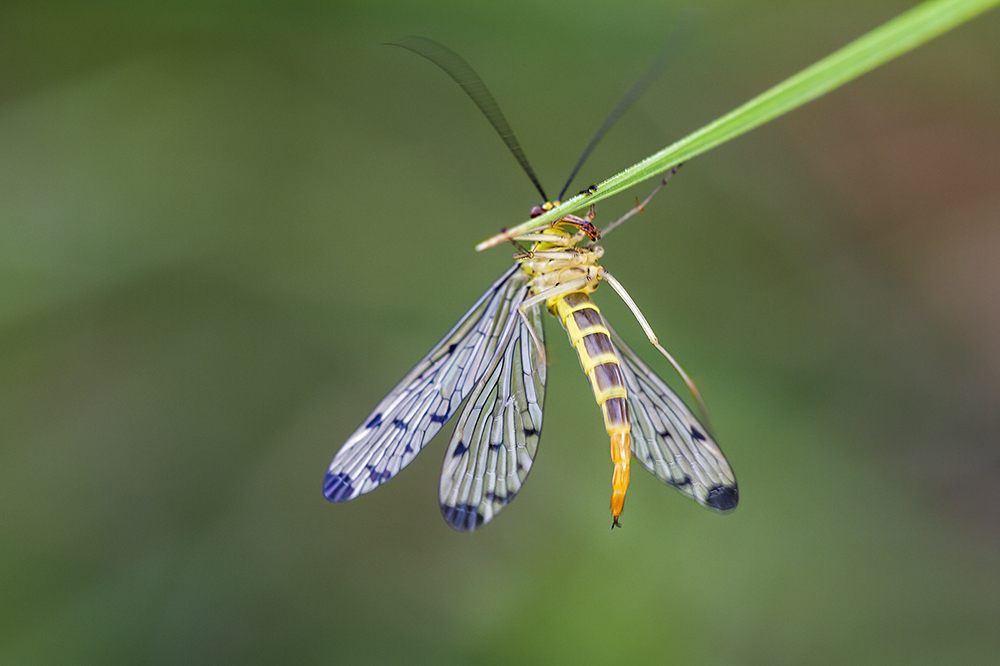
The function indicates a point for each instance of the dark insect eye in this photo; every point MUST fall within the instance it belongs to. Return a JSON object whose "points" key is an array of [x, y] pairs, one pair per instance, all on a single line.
{"points": [[536, 211]]}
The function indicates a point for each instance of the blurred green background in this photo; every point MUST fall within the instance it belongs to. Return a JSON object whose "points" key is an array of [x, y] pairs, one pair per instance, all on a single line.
{"points": [[228, 229]]}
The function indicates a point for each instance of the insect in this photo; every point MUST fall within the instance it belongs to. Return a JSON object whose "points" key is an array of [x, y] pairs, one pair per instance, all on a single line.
{"points": [[494, 360]]}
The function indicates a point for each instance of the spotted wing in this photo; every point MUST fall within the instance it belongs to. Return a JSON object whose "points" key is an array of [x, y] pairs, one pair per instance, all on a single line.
{"points": [[495, 441], [428, 396], [670, 442]]}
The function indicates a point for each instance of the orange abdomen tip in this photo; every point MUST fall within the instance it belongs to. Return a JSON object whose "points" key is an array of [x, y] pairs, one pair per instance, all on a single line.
{"points": [[621, 455]]}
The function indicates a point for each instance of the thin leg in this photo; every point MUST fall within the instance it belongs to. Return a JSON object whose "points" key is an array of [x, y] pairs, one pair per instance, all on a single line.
{"points": [[558, 290], [539, 345], [522, 251], [639, 206], [617, 286], [584, 224]]}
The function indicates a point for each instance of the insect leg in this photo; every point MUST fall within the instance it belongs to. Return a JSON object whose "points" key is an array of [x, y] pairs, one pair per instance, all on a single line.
{"points": [[620, 290], [558, 290], [640, 206], [584, 224], [535, 337]]}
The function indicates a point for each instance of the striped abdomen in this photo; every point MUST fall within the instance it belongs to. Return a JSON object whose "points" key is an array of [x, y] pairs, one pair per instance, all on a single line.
{"points": [[589, 335]]}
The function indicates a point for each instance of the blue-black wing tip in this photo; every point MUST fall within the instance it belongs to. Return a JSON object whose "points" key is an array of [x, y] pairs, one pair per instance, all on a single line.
{"points": [[723, 498], [337, 487], [464, 517]]}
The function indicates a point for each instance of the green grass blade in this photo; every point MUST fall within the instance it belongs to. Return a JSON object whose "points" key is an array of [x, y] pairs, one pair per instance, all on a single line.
{"points": [[892, 39]]}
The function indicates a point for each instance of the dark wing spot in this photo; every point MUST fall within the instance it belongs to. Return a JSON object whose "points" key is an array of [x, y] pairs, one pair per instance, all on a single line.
{"points": [[375, 422], [504, 499], [451, 348], [408, 449], [460, 450], [723, 498], [686, 481], [439, 418], [696, 434], [464, 517], [337, 487], [399, 423], [378, 477], [495, 446], [530, 432]]}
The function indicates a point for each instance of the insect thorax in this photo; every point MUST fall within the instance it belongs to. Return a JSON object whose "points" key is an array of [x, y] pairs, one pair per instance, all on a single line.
{"points": [[557, 265]]}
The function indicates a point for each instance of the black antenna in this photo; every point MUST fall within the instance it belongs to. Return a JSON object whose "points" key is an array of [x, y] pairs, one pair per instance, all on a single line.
{"points": [[651, 74], [455, 67]]}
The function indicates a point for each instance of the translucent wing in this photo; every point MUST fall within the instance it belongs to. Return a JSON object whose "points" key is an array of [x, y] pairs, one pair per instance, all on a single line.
{"points": [[670, 442], [495, 441], [428, 396]]}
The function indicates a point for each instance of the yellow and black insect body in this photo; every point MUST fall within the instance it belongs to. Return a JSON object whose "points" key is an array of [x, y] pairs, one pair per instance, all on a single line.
{"points": [[554, 265], [493, 361]]}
